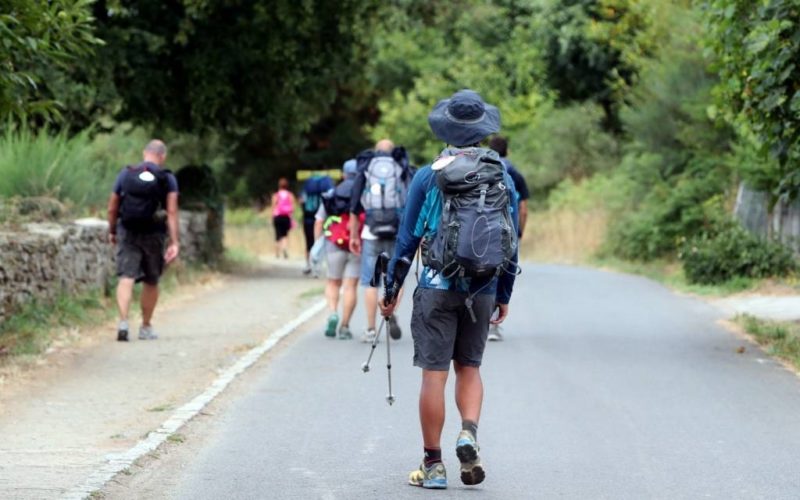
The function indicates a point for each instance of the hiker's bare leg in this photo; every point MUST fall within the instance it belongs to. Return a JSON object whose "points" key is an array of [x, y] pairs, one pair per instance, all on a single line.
{"points": [[349, 299], [283, 245], [431, 406], [332, 294], [469, 391], [124, 296], [149, 300], [371, 305]]}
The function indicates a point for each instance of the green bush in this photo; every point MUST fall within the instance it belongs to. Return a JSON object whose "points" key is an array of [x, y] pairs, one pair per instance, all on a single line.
{"points": [[681, 208], [732, 252], [566, 143], [39, 164]]}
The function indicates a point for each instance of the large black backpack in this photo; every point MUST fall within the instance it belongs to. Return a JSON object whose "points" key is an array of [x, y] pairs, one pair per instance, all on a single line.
{"points": [[476, 235], [337, 200], [143, 199]]}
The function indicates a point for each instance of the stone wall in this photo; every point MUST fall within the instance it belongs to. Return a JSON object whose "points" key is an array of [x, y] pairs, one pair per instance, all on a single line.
{"points": [[42, 260], [752, 209]]}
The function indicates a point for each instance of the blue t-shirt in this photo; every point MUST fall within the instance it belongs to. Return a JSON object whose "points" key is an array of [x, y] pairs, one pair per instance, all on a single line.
{"points": [[421, 217]]}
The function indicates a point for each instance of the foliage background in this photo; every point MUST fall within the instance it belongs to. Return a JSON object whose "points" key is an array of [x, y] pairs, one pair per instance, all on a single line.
{"points": [[648, 112]]}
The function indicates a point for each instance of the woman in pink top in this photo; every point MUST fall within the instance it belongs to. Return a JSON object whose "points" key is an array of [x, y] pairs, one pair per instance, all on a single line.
{"points": [[282, 210]]}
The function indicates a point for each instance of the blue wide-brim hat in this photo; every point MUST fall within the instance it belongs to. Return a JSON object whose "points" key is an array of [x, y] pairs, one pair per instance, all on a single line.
{"points": [[464, 119]]}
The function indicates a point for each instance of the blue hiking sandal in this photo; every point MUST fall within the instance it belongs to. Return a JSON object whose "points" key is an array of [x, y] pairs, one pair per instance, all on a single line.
{"points": [[333, 322], [471, 467], [433, 477]]}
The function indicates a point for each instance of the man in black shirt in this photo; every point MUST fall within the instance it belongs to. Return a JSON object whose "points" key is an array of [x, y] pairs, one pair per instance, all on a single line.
{"points": [[500, 144]]}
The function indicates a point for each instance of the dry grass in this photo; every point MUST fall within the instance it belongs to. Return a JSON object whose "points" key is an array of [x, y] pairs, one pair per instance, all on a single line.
{"points": [[260, 240], [564, 236]]}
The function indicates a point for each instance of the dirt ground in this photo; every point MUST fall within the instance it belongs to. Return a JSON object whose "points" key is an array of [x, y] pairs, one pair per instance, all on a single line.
{"points": [[94, 396]]}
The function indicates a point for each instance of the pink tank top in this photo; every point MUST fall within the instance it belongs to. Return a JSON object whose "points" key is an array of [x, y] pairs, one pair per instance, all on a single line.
{"points": [[283, 204]]}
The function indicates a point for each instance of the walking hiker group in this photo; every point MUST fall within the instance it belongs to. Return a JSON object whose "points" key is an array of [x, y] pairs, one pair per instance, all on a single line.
{"points": [[464, 213]]}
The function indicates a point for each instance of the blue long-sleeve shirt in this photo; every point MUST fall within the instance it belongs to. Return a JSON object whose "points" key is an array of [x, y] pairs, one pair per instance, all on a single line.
{"points": [[420, 220]]}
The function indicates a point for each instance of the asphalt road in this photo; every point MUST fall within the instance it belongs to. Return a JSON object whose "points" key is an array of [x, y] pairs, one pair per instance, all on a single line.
{"points": [[607, 386]]}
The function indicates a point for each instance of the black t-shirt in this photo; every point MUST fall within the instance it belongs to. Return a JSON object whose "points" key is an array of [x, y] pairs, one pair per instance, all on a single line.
{"points": [[519, 180]]}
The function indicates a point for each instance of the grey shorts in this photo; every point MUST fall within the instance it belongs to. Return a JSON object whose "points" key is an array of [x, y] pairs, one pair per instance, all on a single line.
{"points": [[443, 330], [341, 263], [141, 256]]}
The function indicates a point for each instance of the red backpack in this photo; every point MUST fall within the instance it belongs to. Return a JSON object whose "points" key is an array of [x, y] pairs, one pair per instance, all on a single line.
{"points": [[337, 229]]}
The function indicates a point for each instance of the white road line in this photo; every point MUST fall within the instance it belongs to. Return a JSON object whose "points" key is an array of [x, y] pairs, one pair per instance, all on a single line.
{"points": [[117, 462]]}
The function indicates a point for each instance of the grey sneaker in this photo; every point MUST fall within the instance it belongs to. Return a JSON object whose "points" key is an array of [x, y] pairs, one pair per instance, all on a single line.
{"points": [[122, 331], [394, 329], [433, 477], [467, 450], [369, 336], [494, 333], [344, 333], [147, 333]]}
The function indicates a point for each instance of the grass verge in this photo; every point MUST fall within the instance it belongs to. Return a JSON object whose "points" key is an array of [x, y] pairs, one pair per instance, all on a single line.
{"points": [[31, 330], [781, 339]]}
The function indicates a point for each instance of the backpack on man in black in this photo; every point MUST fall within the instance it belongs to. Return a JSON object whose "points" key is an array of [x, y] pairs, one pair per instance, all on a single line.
{"points": [[143, 199]]}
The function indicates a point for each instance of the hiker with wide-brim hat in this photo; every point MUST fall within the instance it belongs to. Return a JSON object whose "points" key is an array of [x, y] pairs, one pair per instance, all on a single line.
{"points": [[464, 119], [453, 303]]}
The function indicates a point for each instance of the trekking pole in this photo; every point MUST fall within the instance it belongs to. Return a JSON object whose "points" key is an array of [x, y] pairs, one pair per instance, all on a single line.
{"points": [[401, 268], [381, 265], [365, 365]]}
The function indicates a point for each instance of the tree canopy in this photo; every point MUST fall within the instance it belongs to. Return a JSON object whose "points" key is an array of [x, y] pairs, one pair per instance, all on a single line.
{"points": [[37, 40], [758, 49]]}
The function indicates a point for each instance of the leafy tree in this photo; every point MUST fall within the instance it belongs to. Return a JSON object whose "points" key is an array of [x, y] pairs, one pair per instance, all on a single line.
{"points": [[264, 74], [486, 46], [758, 48], [38, 40], [230, 65], [678, 157], [591, 49]]}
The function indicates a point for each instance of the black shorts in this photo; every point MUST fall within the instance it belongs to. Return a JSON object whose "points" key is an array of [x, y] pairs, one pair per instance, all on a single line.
{"points": [[141, 256], [282, 223], [443, 330]]}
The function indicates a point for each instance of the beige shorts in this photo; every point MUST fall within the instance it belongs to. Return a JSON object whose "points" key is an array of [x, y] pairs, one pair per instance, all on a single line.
{"points": [[341, 263]]}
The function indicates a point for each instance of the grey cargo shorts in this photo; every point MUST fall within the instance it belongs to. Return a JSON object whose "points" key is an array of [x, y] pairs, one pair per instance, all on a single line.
{"points": [[443, 330]]}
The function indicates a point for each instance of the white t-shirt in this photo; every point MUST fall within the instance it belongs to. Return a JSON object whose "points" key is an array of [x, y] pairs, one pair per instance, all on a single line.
{"points": [[321, 214]]}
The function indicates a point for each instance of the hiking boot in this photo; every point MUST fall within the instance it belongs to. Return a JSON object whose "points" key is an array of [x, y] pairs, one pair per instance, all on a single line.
{"points": [[344, 333], [467, 450], [122, 331], [394, 329], [433, 477], [369, 336], [494, 334], [147, 333], [333, 322]]}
